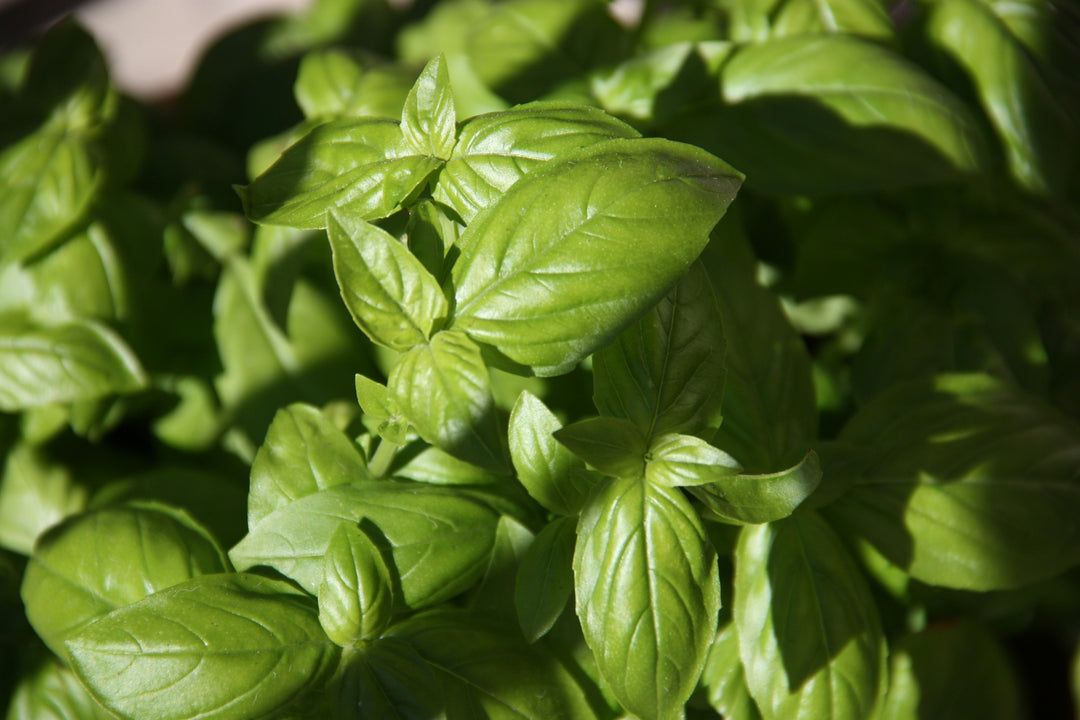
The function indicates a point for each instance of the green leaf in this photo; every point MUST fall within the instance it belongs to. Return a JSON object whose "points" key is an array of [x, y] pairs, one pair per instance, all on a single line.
{"points": [[375, 402], [80, 360], [390, 294], [545, 578], [219, 647], [1013, 89], [724, 678], [746, 499], [432, 465], [356, 596], [444, 391], [816, 114], [439, 539], [525, 49], [666, 373], [333, 84], [428, 120], [486, 670], [760, 20], [103, 560], [809, 634], [304, 452], [963, 482], [613, 446], [648, 594], [52, 692], [363, 167], [542, 464], [529, 278], [495, 150], [675, 460], [950, 670], [770, 411], [36, 493], [388, 679]]}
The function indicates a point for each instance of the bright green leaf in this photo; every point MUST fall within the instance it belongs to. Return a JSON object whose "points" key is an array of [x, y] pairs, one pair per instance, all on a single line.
{"points": [[390, 294], [219, 647], [724, 679], [677, 460], [648, 594], [542, 464], [332, 84], [759, 20], [444, 391], [545, 578], [428, 120], [556, 269], [356, 596], [743, 499], [809, 634], [36, 493]]}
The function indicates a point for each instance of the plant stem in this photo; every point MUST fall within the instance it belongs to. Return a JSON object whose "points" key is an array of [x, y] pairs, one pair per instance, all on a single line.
{"points": [[383, 457]]}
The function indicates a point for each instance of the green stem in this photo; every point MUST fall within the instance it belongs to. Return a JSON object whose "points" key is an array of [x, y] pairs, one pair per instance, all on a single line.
{"points": [[383, 457]]}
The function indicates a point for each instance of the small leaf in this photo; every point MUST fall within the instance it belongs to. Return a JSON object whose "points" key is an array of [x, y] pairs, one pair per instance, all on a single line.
{"points": [[332, 84], [303, 453], [428, 120], [648, 594], [556, 269], [542, 464], [753, 499], [363, 167], [611, 445], [80, 360], [375, 402], [545, 578], [219, 647], [809, 634], [390, 294], [444, 391], [107, 559], [439, 538], [356, 595], [685, 461], [36, 493], [666, 372], [495, 150]]}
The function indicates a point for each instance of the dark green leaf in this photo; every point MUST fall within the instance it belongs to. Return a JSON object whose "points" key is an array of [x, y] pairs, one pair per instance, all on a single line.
{"points": [[439, 539], [428, 120], [648, 594], [390, 680], [531, 270], [545, 578], [390, 294], [544, 466], [666, 373], [809, 634], [963, 482], [219, 647], [724, 678], [80, 360], [356, 596], [444, 391], [497, 149], [759, 20], [304, 452], [52, 692], [760, 498], [107, 559], [951, 671], [362, 167], [613, 446]]}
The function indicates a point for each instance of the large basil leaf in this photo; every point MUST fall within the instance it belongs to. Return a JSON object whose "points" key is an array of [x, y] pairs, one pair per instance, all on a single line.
{"points": [[1038, 134], [363, 167], [809, 634], [390, 294], [487, 671], [107, 559], [531, 268], [817, 114], [545, 578], [36, 493], [439, 539], [940, 670], [78, 360], [770, 411], [666, 372], [544, 466], [495, 150], [52, 692], [356, 596], [760, 498], [962, 481], [759, 20], [648, 594], [219, 647], [304, 452], [724, 679], [444, 391]]}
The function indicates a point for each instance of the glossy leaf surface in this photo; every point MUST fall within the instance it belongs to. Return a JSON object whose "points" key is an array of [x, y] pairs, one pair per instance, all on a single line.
{"points": [[428, 120], [613, 446], [543, 465], [356, 596], [760, 498]]}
